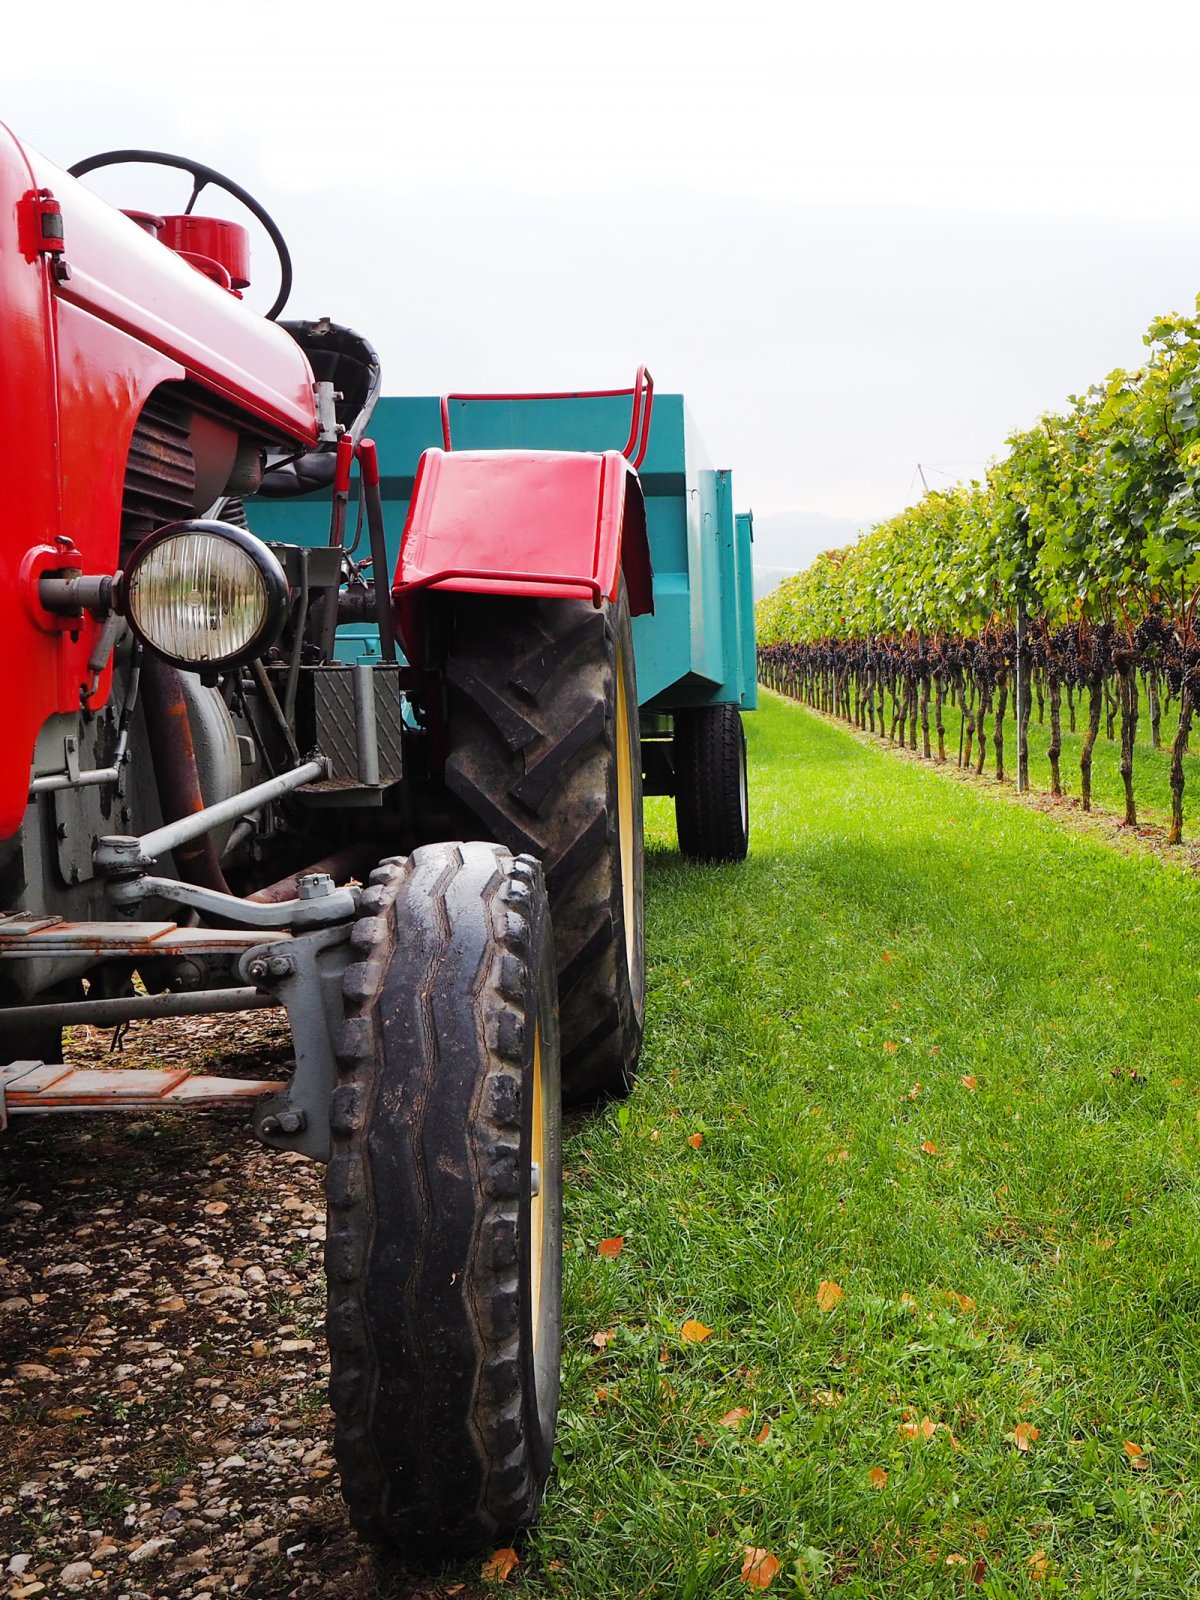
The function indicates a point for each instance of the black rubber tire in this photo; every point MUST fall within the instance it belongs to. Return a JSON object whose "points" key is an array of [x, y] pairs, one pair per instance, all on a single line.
{"points": [[533, 690], [445, 1393], [712, 800]]}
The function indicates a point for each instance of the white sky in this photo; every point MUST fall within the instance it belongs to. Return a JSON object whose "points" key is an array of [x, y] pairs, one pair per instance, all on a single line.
{"points": [[856, 236]]}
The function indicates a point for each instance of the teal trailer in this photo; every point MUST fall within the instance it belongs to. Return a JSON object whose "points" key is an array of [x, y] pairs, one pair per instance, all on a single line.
{"points": [[695, 654]]}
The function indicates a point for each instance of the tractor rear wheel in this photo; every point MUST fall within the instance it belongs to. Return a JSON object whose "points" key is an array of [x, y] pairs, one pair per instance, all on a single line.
{"points": [[544, 754], [712, 805], [444, 1250]]}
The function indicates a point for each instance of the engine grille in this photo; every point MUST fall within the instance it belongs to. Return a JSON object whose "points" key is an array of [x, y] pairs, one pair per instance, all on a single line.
{"points": [[160, 477]]}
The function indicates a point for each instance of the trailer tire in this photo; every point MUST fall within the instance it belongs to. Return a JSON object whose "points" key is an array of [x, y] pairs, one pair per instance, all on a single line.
{"points": [[712, 802], [544, 754], [444, 1255]]}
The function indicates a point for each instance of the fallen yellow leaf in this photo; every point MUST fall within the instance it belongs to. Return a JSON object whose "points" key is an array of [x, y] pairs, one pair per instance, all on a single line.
{"points": [[696, 1140], [732, 1418], [763, 1434], [877, 1478], [968, 1081], [1038, 1565], [828, 1294], [1023, 1435], [499, 1564], [759, 1567], [694, 1332], [610, 1248], [604, 1337], [929, 1147]]}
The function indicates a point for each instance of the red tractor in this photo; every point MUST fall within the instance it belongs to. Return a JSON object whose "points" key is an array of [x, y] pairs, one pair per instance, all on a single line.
{"points": [[433, 862]]}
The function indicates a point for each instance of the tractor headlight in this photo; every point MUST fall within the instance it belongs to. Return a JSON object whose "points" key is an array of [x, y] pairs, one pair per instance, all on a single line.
{"points": [[204, 594]]}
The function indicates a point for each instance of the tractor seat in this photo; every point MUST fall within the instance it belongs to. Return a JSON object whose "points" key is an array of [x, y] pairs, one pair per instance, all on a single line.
{"points": [[344, 359]]}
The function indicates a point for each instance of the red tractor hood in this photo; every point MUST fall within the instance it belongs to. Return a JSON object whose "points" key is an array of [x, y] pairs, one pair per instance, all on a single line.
{"points": [[124, 276], [91, 326]]}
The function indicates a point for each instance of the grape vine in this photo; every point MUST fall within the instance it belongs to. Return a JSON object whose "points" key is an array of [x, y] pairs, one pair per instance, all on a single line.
{"points": [[1076, 559]]}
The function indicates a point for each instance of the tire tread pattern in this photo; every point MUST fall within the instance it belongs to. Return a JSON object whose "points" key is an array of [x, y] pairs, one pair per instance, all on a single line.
{"points": [[549, 664], [710, 776], [431, 1426]]}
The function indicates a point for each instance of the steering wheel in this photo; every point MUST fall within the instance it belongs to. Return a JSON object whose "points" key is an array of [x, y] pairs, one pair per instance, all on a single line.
{"points": [[201, 177]]}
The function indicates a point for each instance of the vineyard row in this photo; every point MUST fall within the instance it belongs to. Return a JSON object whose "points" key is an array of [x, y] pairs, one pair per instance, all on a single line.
{"points": [[1072, 569], [902, 692]]}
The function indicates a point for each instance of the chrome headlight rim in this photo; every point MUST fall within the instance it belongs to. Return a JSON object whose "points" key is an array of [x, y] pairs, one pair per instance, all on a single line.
{"points": [[268, 570]]}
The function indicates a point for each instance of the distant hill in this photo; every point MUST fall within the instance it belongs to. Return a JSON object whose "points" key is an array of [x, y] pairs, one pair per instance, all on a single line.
{"points": [[787, 541]]}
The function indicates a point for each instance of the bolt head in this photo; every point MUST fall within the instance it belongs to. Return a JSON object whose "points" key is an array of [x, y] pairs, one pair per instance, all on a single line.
{"points": [[292, 1122], [257, 970], [315, 886]]}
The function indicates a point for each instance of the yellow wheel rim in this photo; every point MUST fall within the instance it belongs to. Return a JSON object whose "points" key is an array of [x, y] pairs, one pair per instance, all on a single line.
{"points": [[625, 819], [537, 1204]]}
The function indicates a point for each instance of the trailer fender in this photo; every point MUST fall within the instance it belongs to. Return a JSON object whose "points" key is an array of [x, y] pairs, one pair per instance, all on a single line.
{"points": [[558, 524]]}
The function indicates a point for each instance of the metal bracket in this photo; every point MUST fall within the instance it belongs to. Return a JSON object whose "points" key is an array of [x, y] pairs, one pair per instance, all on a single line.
{"points": [[15, 1069], [320, 903], [305, 973], [73, 777]]}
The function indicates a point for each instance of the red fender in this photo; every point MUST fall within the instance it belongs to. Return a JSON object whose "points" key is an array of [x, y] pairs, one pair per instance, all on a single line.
{"points": [[562, 524]]}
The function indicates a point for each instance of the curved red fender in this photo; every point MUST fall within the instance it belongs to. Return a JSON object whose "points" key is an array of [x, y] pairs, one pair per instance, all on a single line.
{"points": [[563, 524]]}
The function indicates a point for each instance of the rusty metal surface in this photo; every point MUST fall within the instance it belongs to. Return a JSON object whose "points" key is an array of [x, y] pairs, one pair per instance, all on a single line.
{"points": [[44, 1088], [175, 771], [127, 938], [355, 861]]}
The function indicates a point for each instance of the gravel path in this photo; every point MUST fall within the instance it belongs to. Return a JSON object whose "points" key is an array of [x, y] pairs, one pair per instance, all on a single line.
{"points": [[162, 1365]]}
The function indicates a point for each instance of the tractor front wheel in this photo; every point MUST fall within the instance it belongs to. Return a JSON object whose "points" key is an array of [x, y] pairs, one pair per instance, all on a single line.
{"points": [[712, 805], [444, 1250]]}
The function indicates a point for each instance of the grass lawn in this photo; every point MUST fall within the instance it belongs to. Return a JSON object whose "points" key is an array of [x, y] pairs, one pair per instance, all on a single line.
{"points": [[941, 1057]]}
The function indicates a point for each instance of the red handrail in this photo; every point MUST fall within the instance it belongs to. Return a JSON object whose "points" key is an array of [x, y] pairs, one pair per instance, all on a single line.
{"points": [[639, 423]]}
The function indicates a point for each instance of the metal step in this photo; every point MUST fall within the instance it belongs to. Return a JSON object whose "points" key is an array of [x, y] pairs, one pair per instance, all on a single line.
{"points": [[34, 1086], [42, 936]]}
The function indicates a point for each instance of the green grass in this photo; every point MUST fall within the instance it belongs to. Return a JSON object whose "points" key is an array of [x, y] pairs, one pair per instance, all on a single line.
{"points": [[891, 931]]}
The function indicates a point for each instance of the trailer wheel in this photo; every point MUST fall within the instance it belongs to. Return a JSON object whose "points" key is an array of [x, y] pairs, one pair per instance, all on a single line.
{"points": [[712, 802], [544, 754], [444, 1249]]}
